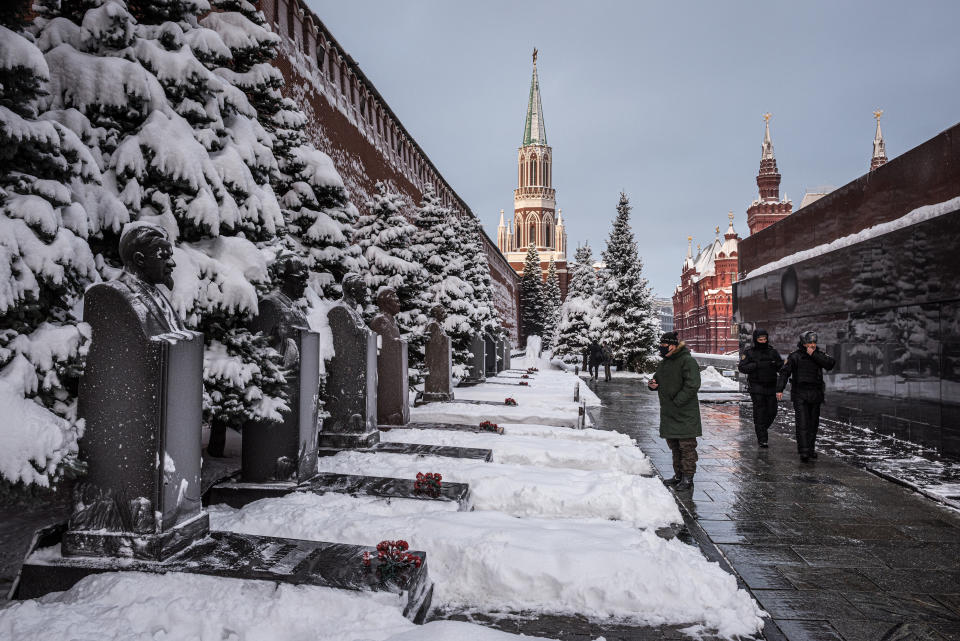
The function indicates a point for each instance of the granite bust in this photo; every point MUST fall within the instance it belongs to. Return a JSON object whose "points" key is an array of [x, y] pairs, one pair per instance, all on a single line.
{"points": [[392, 362], [438, 385], [350, 389], [288, 450], [141, 397]]}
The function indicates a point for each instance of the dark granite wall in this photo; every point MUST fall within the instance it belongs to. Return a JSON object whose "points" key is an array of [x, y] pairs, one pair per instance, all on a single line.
{"points": [[888, 309]]}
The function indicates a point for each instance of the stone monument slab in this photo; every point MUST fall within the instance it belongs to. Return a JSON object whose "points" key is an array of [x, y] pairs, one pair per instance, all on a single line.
{"points": [[438, 385], [492, 356], [141, 397], [393, 404], [350, 390], [478, 359]]}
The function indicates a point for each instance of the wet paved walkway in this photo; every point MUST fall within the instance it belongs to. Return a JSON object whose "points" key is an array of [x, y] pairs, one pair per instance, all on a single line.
{"points": [[831, 551]]}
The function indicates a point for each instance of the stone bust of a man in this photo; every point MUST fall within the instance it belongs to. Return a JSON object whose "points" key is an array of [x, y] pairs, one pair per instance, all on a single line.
{"points": [[385, 322], [147, 256], [354, 295]]}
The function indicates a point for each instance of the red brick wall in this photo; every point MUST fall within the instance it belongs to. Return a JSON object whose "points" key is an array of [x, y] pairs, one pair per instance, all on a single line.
{"points": [[361, 134]]}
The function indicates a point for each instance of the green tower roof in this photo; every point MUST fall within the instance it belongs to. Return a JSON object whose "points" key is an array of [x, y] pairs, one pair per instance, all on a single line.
{"points": [[534, 131]]}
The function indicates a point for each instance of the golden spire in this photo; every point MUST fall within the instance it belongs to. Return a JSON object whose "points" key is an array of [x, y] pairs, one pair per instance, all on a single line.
{"points": [[878, 113], [718, 230], [730, 216], [766, 117]]}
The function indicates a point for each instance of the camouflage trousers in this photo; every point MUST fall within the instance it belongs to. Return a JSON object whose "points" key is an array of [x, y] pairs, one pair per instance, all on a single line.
{"points": [[684, 452]]}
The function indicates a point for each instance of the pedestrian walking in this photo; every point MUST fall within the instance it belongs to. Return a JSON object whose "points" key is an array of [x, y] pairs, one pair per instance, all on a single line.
{"points": [[677, 381], [805, 368], [607, 361], [761, 363], [594, 358]]}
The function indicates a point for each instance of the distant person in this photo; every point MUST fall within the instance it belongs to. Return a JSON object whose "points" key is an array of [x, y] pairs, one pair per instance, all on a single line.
{"points": [[607, 361], [805, 367], [761, 363], [677, 381], [594, 359]]}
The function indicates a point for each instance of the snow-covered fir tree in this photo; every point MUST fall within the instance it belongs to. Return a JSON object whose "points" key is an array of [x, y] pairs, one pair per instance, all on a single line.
{"points": [[630, 321], [45, 264], [181, 146], [484, 317], [385, 237], [579, 320], [551, 303], [439, 247], [532, 305]]}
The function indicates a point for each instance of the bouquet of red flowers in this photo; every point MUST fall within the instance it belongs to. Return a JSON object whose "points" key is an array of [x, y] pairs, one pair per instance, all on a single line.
{"points": [[393, 560], [491, 427], [525, 376], [531, 370], [429, 483], [525, 384], [510, 401]]}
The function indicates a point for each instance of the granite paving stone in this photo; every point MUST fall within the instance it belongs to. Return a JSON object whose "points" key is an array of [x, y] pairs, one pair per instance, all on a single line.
{"points": [[831, 550]]}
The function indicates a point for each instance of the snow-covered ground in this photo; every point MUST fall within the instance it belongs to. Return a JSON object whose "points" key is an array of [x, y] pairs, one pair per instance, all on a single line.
{"points": [[132, 606], [563, 522], [531, 450], [485, 561], [564, 414], [711, 379], [529, 490]]}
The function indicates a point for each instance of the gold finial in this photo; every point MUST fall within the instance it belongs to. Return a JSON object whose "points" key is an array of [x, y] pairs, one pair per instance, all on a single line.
{"points": [[718, 229], [766, 117], [689, 239], [534, 55], [698, 248], [878, 113], [730, 216]]}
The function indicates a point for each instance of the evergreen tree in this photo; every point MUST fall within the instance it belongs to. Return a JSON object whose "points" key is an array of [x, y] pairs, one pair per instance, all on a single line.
{"points": [[385, 237], [439, 248], [630, 321], [552, 302], [532, 305], [45, 262], [484, 318], [578, 314], [181, 146]]}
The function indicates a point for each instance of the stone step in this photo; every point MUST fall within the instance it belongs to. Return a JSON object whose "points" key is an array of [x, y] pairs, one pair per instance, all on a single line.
{"points": [[239, 556], [236, 494]]}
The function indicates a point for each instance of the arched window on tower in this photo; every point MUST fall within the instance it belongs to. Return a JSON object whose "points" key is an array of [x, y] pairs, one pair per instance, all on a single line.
{"points": [[276, 12], [532, 236], [534, 164], [547, 242], [518, 231]]}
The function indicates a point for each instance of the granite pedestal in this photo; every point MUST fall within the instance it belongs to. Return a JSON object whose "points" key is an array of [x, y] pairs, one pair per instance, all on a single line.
{"points": [[491, 355], [438, 385], [477, 359], [350, 391]]}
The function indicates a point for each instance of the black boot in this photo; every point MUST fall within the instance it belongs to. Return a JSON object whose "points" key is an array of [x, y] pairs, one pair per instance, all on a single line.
{"points": [[677, 477], [686, 482]]}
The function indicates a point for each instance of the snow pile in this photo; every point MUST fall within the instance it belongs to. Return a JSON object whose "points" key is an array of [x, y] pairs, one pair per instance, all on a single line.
{"points": [[562, 414], [132, 606], [525, 490], [593, 567], [711, 379], [34, 442], [532, 450], [918, 215]]}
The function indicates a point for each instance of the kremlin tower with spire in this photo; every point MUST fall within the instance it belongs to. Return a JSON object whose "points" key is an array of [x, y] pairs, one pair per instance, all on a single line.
{"points": [[536, 219], [879, 148], [769, 207]]}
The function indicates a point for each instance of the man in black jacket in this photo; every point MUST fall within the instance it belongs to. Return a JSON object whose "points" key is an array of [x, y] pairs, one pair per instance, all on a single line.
{"points": [[805, 366], [761, 363]]}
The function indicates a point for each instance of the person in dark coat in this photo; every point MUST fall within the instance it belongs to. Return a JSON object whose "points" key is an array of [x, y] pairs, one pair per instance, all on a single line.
{"points": [[676, 382], [607, 361], [594, 359], [761, 363], [805, 367]]}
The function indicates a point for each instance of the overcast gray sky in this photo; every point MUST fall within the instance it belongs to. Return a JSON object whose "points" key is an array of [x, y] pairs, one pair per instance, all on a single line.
{"points": [[661, 100]]}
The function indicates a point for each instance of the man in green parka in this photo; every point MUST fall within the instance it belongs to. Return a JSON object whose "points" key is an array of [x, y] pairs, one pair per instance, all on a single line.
{"points": [[676, 381]]}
